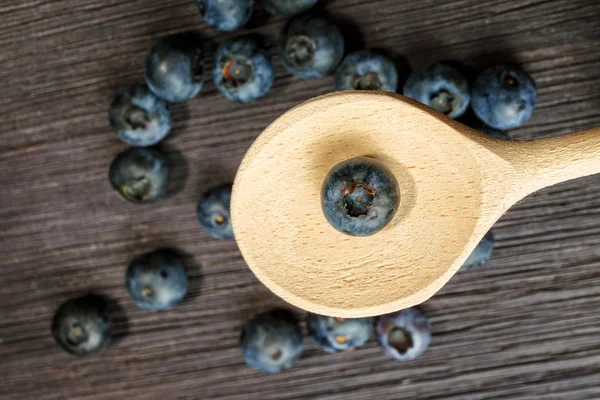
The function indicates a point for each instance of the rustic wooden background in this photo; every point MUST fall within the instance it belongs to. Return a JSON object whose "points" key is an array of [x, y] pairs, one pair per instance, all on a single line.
{"points": [[525, 326]]}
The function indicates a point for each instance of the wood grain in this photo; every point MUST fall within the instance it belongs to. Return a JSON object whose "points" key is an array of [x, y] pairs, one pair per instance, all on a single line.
{"points": [[523, 327]]}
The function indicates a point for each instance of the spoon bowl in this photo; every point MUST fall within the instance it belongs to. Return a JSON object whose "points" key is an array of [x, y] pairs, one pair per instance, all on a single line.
{"points": [[454, 184]]}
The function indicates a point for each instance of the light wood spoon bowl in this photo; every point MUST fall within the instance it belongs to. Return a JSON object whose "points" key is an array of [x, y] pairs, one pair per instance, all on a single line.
{"points": [[454, 183]]}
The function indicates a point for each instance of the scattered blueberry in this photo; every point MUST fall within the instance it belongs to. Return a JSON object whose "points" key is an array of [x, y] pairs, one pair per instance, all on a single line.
{"points": [[360, 196], [488, 130], [366, 70], [271, 341], [241, 70], [287, 8], [156, 281], [441, 87], [339, 334], [310, 46], [140, 174], [213, 212], [504, 96], [82, 325], [482, 252], [139, 117], [404, 335], [225, 15], [174, 67]]}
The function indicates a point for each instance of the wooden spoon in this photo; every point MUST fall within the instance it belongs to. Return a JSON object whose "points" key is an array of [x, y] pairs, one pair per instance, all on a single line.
{"points": [[454, 182]]}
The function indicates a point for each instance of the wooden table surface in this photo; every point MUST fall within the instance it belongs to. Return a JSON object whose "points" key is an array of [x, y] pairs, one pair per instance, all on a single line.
{"points": [[525, 326]]}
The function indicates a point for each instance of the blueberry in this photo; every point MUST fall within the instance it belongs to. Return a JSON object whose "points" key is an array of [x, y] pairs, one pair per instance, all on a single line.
{"points": [[139, 117], [440, 87], [287, 8], [225, 15], [482, 252], [366, 70], [404, 335], [360, 196], [213, 212], [310, 46], [488, 130], [504, 96], [271, 341], [82, 325], [339, 334], [174, 67], [156, 281], [140, 174], [242, 71]]}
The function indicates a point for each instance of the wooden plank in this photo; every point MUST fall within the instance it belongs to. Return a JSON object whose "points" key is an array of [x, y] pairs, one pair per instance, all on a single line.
{"points": [[523, 327]]}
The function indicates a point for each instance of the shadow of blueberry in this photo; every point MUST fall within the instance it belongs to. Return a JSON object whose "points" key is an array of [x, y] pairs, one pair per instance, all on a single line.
{"points": [[180, 115], [259, 16], [468, 118], [84, 325], [263, 42], [213, 173], [353, 37], [120, 321], [178, 168], [193, 270]]}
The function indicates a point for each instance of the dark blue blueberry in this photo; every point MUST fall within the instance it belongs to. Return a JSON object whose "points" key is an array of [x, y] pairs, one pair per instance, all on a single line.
{"points": [[174, 67], [272, 341], [139, 117], [213, 212], [140, 174], [488, 130], [482, 252], [441, 87], [504, 96], [287, 8], [242, 71], [404, 335], [310, 46], [360, 196], [225, 15], [156, 281], [339, 334], [366, 70], [82, 325]]}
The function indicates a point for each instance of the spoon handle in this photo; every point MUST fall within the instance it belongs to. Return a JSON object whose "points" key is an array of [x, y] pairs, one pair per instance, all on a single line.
{"points": [[545, 162]]}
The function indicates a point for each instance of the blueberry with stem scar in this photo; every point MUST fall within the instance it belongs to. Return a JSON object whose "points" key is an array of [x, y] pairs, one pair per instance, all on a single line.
{"points": [[441, 87], [310, 46], [504, 96], [242, 71], [360, 196], [140, 174], [366, 70], [404, 335], [82, 325], [139, 117], [339, 334], [272, 341], [213, 212], [156, 281]]}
